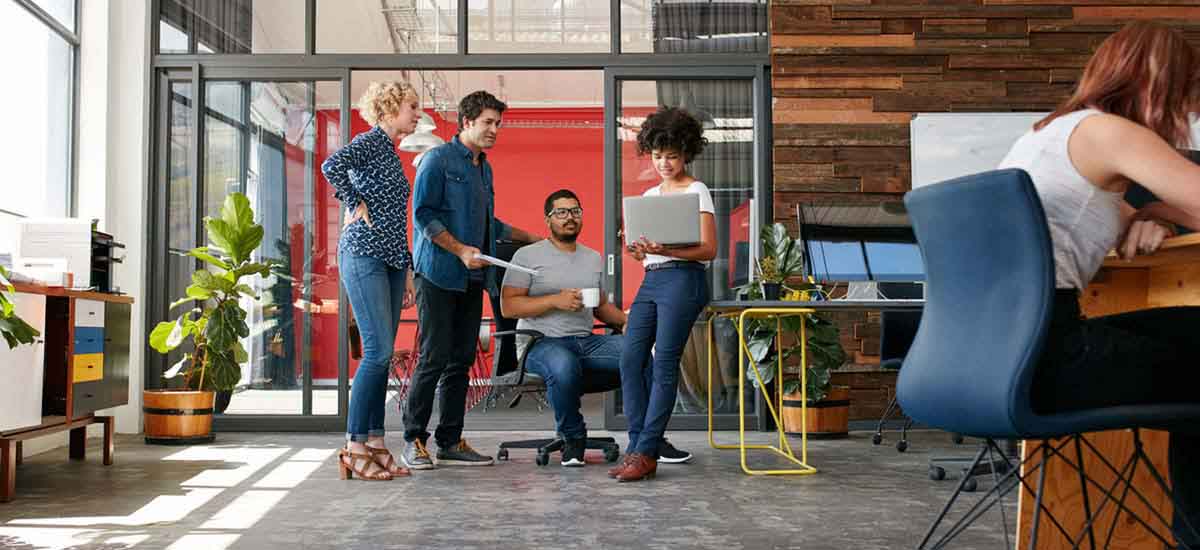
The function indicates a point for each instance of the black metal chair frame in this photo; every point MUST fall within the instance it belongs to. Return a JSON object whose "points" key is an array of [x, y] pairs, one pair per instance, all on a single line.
{"points": [[1033, 465], [519, 382]]}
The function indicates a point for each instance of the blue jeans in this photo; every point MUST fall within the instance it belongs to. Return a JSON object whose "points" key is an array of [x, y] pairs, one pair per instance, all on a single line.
{"points": [[376, 292], [662, 315], [571, 367]]}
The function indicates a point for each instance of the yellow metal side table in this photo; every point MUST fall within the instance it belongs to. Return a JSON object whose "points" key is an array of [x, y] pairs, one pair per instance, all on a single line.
{"points": [[743, 311]]}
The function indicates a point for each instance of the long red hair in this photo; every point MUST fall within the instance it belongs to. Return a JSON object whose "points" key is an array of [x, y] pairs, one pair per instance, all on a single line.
{"points": [[1145, 72]]}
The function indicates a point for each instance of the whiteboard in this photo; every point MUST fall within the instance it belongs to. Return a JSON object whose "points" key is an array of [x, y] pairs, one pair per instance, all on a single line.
{"points": [[949, 145]]}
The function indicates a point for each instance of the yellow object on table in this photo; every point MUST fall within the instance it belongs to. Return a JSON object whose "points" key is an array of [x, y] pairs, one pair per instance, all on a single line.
{"points": [[784, 448]]}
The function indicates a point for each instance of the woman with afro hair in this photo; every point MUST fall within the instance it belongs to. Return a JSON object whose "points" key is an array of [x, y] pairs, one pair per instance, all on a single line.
{"points": [[673, 293]]}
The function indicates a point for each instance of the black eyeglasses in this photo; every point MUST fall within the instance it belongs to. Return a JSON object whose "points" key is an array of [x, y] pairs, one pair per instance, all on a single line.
{"points": [[563, 213]]}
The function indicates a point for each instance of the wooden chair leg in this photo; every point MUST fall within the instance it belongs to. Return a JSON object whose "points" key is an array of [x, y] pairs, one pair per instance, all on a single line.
{"points": [[8, 470], [109, 428], [78, 445], [20, 455]]}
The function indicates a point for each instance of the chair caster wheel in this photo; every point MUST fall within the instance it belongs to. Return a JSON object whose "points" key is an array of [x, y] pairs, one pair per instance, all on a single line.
{"points": [[877, 439], [970, 486], [542, 459], [611, 455], [937, 473], [958, 439], [502, 454], [902, 445]]}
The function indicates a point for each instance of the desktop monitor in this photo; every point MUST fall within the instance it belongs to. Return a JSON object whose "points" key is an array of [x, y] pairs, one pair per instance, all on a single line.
{"points": [[861, 244]]}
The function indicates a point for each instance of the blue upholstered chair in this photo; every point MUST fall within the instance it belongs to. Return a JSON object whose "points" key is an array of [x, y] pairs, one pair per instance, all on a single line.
{"points": [[989, 285]]}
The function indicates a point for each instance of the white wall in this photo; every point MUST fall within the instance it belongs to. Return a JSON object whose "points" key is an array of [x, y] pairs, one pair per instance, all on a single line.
{"points": [[113, 151]]}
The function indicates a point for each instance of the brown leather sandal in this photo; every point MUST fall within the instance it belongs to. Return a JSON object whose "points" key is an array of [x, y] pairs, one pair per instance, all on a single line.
{"points": [[384, 458], [348, 471]]}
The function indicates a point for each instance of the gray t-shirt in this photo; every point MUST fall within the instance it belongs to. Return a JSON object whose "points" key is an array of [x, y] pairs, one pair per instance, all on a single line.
{"points": [[556, 270]]}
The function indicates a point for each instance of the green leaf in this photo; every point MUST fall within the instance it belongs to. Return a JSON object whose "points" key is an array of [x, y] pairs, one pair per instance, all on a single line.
{"points": [[204, 279], [202, 253], [236, 212], [226, 324], [225, 237], [161, 334], [180, 302], [222, 372], [250, 268], [17, 332], [174, 370], [239, 353], [248, 240], [246, 291], [197, 292]]}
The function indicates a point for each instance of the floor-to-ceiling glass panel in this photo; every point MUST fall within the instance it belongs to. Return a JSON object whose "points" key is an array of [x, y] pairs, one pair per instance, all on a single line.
{"points": [[231, 26], [267, 140], [726, 166], [691, 26], [387, 26], [538, 26], [180, 195]]}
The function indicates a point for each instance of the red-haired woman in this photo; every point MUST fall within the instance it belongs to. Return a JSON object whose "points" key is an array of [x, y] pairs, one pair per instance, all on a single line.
{"points": [[1122, 124]]}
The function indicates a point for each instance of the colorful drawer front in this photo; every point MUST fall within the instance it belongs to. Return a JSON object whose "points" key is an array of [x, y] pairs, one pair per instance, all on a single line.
{"points": [[89, 313], [88, 367], [89, 340]]}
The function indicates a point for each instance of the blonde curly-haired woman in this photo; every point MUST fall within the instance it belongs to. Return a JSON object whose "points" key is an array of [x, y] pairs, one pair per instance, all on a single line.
{"points": [[375, 264]]}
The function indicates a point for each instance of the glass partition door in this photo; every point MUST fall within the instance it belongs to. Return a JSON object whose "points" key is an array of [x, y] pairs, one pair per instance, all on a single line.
{"points": [[726, 102]]}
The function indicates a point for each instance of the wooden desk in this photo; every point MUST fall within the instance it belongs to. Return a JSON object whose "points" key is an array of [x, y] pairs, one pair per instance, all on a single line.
{"points": [[79, 364], [1170, 277]]}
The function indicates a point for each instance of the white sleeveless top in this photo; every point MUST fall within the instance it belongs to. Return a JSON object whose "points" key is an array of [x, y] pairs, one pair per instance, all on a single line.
{"points": [[1084, 220]]}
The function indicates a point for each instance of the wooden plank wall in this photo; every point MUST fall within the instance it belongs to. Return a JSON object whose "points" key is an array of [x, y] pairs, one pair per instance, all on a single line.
{"points": [[847, 75]]}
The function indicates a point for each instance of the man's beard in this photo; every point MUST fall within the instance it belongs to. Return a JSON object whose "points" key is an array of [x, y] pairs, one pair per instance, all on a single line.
{"points": [[566, 237]]}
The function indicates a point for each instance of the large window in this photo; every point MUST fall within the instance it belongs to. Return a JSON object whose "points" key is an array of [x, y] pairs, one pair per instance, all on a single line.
{"points": [[41, 109]]}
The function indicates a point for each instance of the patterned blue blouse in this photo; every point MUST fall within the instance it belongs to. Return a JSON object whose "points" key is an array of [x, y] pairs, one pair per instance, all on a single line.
{"points": [[368, 170]]}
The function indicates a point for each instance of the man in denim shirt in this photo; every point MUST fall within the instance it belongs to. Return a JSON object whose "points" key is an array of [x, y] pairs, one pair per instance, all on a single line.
{"points": [[454, 220]]}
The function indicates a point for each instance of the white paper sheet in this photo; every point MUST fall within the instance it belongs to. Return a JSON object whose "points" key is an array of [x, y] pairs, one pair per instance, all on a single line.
{"points": [[506, 265]]}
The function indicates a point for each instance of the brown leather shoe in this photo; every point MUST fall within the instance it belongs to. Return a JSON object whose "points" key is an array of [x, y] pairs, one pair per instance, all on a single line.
{"points": [[616, 470], [640, 467]]}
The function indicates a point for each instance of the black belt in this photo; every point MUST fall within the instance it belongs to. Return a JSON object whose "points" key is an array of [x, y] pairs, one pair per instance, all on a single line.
{"points": [[676, 264]]}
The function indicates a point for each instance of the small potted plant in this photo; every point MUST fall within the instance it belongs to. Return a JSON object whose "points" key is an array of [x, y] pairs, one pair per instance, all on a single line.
{"points": [[828, 406], [214, 325], [772, 282], [15, 330]]}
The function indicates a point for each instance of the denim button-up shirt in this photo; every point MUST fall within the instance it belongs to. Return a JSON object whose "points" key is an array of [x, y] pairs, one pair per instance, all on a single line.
{"points": [[367, 170], [444, 200]]}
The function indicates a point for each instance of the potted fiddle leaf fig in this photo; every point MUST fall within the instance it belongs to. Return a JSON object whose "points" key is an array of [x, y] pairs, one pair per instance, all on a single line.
{"points": [[16, 331], [213, 326]]}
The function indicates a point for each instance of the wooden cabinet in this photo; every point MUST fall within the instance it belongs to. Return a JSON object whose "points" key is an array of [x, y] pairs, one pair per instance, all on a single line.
{"points": [[79, 365]]}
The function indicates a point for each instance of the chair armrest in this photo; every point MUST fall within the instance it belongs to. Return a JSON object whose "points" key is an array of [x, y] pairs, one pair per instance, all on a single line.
{"points": [[521, 332]]}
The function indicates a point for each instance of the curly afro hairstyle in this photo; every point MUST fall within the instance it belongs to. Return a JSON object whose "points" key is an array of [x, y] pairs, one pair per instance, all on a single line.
{"points": [[672, 128]]}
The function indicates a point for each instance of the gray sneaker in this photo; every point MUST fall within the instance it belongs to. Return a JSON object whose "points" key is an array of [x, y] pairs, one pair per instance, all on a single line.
{"points": [[416, 457], [461, 454]]}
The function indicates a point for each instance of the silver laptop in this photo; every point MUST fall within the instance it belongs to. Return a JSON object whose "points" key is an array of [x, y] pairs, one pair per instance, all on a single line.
{"points": [[670, 220]]}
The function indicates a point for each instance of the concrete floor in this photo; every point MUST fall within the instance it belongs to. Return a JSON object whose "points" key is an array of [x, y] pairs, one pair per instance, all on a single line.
{"points": [[267, 491]]}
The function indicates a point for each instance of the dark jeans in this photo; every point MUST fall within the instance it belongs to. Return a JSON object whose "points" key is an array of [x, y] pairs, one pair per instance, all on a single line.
{"points": [[376, 292], [662, 315], [448, 322], [571, 367], [1128, 359]]}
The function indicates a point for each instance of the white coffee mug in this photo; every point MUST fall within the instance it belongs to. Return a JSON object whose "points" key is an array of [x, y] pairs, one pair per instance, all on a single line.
{"points": [[591, 297]]}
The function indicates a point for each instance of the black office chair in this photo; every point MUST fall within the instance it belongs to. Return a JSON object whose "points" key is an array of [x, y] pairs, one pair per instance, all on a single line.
{"points": [[897, 330], [518, 382]]}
